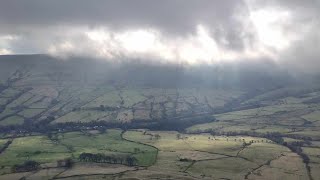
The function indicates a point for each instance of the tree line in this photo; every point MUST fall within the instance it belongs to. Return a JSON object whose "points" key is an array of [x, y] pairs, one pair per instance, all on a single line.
{"points": [[26, 166], [102, 158]]}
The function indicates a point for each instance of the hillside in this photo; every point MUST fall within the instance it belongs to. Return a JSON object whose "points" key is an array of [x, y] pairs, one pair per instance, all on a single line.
{"points": [[246, 122]]}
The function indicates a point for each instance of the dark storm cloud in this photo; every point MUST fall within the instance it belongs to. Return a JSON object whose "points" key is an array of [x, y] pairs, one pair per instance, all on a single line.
{"points": [[173, 14], [176, 17]]}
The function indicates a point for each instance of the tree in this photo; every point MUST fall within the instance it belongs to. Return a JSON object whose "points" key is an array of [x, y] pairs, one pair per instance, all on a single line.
{"points": [[114, 159], [69, 162], [131, 161], [157, 136]]}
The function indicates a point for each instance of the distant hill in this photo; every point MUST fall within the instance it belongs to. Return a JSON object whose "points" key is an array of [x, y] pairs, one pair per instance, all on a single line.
{"points": [[41, 91]]}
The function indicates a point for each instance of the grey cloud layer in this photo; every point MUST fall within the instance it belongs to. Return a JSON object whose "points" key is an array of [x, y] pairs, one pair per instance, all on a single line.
{"points": [[36, 22], [173, 16]]}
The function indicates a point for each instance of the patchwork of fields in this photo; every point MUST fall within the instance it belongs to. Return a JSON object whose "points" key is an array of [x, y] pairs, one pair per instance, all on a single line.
{"points": [[60, 125], [54, 103], [166, 154]]}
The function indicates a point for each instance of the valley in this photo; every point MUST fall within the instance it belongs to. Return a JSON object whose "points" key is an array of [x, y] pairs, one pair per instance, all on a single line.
{"points": [[60, 125]]}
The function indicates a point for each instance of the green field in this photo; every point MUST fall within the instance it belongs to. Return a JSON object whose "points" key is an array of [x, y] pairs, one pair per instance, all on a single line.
{"points": [[71, 145], [108, 143], [37, 148]]}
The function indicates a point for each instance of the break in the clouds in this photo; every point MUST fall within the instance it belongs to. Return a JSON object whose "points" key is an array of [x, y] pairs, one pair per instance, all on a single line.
{"points": [[205, 31]]}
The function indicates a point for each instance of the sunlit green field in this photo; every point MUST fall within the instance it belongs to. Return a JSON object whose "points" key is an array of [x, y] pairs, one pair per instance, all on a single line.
{"points": [[70, 145]]}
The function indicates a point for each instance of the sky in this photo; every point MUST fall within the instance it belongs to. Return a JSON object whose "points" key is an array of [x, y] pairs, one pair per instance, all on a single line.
{"points": [[285, 32]]}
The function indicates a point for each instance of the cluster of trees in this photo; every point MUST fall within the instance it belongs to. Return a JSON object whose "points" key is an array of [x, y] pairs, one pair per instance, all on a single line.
{"points": [[26, 166], [178, 124], [102, 158], [44, 126], [296, 147], [185, 160], [156, 136], [99, 108], [273, 136], [296, 136]]}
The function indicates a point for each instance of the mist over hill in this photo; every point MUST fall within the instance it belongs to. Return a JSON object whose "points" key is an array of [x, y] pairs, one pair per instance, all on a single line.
{"points": [[41, 89], [85, 71]]}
